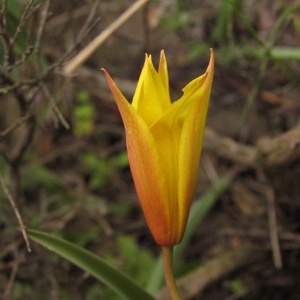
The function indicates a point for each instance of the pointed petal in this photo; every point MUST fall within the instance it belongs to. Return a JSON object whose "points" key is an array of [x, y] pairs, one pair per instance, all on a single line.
{"points": [[167, 134], [178, 135], [138, 90], [145, 165], [191, 138], [151, 98], [163, 71]]}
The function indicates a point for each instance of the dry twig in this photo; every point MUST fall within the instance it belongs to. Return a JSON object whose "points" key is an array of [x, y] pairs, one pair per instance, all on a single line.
{"points": [[41, 28], [88, 22], [55, 107], [268, 152], [11, 128], [280, 150], [10, 283], [89, 49], [16, 211], [273, 228]]}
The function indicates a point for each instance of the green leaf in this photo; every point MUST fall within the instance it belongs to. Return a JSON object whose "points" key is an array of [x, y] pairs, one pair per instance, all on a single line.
{"points": [[92, 264], [136, 261]]}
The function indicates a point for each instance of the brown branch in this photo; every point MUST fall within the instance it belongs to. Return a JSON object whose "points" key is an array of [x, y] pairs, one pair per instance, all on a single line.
{"points": [[9, 285], [22, 60], [4, 34], [12, 86], [55, 107], [273, 228], [280, 150], [16, 211], [11, 128], [17, 153], [29, 9], [89, 49], [228, 148], [41, 28], [88, 24], [3, 23], [268, 152]]}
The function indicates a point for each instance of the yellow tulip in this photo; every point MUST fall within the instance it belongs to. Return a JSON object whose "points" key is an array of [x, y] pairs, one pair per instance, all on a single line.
{"points": [[164, 141]]}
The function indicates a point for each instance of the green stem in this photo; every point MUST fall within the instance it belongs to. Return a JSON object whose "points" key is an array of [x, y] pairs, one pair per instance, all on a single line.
{"points": [[167, 254]]}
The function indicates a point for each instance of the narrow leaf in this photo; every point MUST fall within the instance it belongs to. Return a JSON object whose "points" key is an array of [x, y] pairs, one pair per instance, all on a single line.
{"points": [[92, 264]]}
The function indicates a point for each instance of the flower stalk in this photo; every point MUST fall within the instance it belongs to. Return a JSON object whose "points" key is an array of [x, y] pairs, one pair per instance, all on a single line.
{"points": [[167, 255]]}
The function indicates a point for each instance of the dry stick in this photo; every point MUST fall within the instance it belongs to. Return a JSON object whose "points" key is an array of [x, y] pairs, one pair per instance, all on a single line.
{"points": [[16, 211], [88, 22], [230, 149], [268, 151], [8, 55], [3, 23], [41, 28], [17, 124], [22, 60], [10, 283], [89, 49], [59, 20], [284, 148], [26, 14], [55, 107], [273, 228]]}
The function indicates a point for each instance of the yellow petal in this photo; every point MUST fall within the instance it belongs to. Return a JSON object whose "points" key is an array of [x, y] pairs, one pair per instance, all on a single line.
{"points": [[163, 71], [166, 133], [138, 90], [192, 137], [164, 142], [178, 135], [151, 98], [145, 166]]}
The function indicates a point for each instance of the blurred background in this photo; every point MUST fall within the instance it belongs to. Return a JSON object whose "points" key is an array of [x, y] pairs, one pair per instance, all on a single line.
{"points": [[63, 160]]}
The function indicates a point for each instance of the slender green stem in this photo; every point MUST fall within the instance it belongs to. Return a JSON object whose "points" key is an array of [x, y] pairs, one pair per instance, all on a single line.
{"points": [[167, 254]]}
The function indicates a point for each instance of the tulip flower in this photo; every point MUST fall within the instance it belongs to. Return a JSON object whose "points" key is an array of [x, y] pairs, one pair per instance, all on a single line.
{"points": [[164, 141]]}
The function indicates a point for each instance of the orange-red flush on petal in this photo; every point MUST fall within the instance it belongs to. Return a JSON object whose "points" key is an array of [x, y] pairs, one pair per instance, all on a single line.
{"points": [[164, 141]]}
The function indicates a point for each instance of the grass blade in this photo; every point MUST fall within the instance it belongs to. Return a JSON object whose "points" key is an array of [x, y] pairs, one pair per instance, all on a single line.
{"points": [[92, 264]]}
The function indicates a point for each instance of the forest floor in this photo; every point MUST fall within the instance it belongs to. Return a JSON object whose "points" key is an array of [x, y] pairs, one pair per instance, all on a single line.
{"points": [[76, 183]]}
